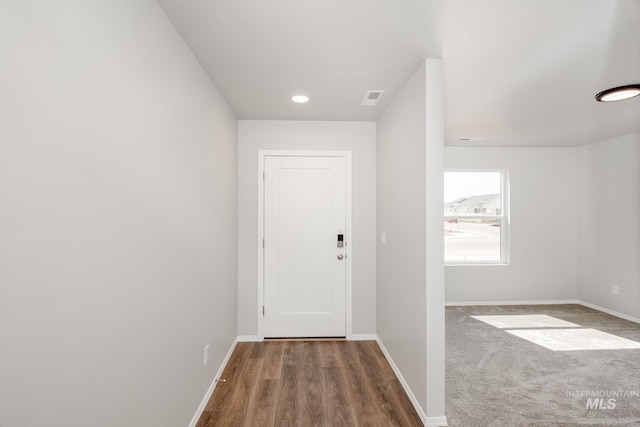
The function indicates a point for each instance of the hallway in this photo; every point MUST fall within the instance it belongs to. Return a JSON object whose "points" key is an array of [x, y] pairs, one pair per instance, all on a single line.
{"points": [[309, 383]]}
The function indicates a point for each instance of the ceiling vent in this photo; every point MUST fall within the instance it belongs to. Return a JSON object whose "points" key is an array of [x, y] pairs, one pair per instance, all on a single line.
{"points": [[471, 138], [372, 97]]}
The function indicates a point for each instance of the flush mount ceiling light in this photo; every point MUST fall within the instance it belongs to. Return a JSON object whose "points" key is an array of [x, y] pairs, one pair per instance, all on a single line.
{"points": [[619, 93], [300, 99]]}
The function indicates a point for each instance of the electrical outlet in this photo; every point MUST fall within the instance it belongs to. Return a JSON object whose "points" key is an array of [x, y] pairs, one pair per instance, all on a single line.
{"points": [[615, 290], [206, 354]]}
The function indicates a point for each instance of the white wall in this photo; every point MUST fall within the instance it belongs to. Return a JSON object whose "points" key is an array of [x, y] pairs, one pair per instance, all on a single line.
{"points": [[358, 137], [435, 242], [608, 216], [543, 232], [407, 267], [402, 217], [117, 221]]}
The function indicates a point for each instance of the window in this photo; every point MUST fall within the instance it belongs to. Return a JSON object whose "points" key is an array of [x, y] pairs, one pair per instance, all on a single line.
{"points": [[475, 217]]}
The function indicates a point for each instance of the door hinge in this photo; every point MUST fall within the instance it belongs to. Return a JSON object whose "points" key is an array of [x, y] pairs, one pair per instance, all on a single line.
{"points": [[262, 243], [263, 310], [263, 175]]}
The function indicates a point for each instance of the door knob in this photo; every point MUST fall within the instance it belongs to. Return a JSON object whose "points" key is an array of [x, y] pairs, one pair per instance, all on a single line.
{"points": [[340, 256]]}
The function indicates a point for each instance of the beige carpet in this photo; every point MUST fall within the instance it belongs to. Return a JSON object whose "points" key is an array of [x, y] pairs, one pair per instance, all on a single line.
{"points": [[510, 366]]}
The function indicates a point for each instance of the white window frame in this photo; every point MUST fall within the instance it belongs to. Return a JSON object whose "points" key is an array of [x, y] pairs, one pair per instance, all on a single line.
{"points": [[504, 217]]}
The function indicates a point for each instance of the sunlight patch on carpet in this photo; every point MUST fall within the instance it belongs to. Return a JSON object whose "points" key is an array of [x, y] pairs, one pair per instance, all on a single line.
{"points": [[575, 339], [525, 321]]}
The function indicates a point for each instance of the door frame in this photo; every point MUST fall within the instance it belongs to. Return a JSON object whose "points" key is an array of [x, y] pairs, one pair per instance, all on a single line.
{"points": [[262, 154]]}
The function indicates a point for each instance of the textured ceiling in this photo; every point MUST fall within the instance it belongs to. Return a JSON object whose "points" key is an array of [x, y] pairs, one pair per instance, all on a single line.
{"points": [[517, 73]]}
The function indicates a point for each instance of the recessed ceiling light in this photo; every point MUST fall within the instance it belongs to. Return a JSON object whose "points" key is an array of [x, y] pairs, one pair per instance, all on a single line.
{"points": [[619, 93], [300, 99]]}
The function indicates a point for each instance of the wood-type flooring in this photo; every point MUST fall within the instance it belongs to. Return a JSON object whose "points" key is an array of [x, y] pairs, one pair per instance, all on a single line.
{"points": [[309, 384]]}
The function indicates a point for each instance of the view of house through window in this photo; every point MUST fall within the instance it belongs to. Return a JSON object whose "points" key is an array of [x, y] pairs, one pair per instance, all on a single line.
{"points": [[475, 222]]}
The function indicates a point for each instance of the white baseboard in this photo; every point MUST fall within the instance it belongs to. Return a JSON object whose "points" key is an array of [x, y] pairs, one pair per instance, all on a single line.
{"points": [[403, 382], [427, 421], [436, 422], [363, 337], [611, 312], [546, 302], [248, 338], [212, 387], [533, 302]]}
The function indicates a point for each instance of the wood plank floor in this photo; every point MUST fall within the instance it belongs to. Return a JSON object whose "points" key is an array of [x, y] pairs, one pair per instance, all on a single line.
{"points": [[309, 383]]}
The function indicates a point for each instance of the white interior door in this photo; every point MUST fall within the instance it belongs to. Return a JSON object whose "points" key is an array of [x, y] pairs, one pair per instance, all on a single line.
{"points": [[304, 261]]}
